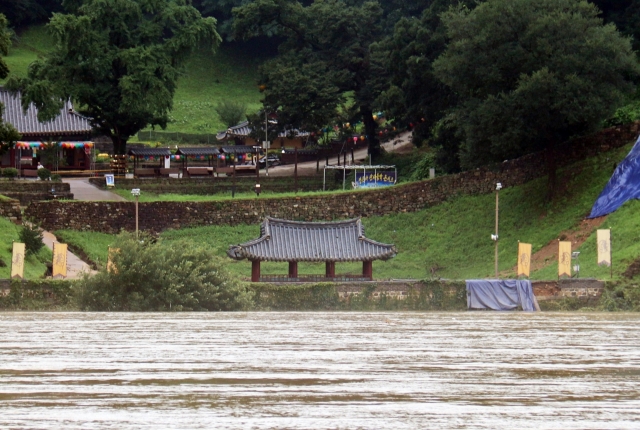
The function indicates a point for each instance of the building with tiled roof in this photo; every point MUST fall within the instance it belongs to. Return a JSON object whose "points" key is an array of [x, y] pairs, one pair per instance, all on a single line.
{"points": [[69, 129], [329, 242], [68, 125], [240, 134]]}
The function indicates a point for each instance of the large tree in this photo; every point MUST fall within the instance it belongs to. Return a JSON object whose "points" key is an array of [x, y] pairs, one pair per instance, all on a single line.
{"points": [[8, 134], [325, 56], [118, 60], [530, 74]]}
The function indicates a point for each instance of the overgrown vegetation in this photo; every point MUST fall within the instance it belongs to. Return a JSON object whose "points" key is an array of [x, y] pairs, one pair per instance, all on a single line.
{"points": [[35, 264], [154, 276], [31, 236]]}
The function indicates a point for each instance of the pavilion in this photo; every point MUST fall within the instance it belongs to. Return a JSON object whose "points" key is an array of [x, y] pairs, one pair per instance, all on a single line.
{"points": [[329, 242]]}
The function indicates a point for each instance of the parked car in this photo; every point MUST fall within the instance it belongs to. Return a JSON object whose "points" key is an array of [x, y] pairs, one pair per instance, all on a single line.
{"points": [[274, 160]]}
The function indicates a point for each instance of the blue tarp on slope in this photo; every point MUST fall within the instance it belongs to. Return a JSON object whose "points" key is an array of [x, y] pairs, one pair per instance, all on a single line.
{"points": [[624, 185], [500, 295]]}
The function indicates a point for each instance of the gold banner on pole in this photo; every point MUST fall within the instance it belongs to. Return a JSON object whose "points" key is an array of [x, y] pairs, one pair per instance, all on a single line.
{"points": [[59, 259], [17, 260], [524, 259], [564, 259], [604, 247]]}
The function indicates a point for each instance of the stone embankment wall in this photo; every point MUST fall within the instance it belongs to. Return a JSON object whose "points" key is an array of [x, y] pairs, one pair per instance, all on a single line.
{"points": [[10, 208], [111, 217], [26, 191]]}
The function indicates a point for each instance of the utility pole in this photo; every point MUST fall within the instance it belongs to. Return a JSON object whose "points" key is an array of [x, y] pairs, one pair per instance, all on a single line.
{"points": [[266, 143], [495, 238]]}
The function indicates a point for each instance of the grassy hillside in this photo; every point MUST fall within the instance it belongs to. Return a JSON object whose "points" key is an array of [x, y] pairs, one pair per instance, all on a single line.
{"points": [[208, 78], [452, 240], [34, 267]]}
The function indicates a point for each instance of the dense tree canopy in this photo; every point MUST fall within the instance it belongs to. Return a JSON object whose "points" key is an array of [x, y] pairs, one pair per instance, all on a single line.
{"points": [[8, 134], [324, 56], [118, 60], [530, 74]]}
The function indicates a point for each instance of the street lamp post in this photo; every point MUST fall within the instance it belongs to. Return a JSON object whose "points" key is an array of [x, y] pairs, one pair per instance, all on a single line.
{"points": [[266, 143], [136, 193], [495, 236]]}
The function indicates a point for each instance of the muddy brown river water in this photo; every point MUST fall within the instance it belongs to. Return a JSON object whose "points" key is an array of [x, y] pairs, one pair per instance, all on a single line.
{"points": [[351, 370]]}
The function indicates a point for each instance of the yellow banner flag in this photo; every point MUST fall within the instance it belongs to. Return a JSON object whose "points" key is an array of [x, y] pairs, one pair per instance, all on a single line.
{"points": [[111, 267], [17, 260], [524, 259], [59, 259], [604, 247], [564, 259]]}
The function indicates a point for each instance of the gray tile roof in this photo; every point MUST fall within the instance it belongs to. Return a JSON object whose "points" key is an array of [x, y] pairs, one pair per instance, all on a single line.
{"points": [[27, 124], [203, 150], [282, 240], [238, 149], [243, 129], [150, 152]]}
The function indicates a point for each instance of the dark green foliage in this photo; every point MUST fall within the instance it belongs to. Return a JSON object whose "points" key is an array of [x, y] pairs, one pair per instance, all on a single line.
{"points": [[9, 172], [155, 276], [325, 54], [56, 178], [231, 112], [119, 60], [31, 236], [530, 74], [621, 296], [44, 174]]}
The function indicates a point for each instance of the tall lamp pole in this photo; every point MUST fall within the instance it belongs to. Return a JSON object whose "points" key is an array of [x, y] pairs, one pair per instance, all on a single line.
{"points": [[495, 236], [136, 193]]}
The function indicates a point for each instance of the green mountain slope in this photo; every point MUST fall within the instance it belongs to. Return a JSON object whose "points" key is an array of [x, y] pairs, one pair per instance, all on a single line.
{"points": [[229, 74]]}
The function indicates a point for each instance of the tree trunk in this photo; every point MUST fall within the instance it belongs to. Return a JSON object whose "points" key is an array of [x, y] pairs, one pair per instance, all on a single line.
{"points": [[370, 127], [119, 145]]}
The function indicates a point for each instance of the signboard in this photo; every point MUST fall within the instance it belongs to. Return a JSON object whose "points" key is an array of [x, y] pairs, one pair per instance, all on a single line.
{"points": [[375, 179], [17, 260], [604, 247], [110, 180], [59, 260], [564, 259], [524, 259]]}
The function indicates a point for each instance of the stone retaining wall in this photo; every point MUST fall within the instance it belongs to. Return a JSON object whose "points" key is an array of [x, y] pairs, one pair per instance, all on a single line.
{"points": [[10, 208], [27, 192], [111, 217]]}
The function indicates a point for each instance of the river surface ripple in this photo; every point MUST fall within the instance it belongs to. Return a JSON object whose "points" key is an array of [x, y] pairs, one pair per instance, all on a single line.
{"points": [[479, 370]]}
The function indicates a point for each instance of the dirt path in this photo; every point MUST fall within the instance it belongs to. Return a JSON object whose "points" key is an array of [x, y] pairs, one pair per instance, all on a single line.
{"points": [[548, 254]]}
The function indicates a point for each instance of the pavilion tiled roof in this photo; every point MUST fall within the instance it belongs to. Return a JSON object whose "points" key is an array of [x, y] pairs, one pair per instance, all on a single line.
{"points": [[339, 241], [203, 150], [66, 123], [150, 152]]}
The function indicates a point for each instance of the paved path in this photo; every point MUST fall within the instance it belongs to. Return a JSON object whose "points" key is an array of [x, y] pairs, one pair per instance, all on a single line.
{"points": [[83, 190], [75, 266]]}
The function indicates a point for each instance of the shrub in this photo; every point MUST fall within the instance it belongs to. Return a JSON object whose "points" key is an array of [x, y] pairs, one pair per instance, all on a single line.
{"points": [[56, 178], [31, 236], [10, 172], [158, 276], [231, 112], [44, 174]]}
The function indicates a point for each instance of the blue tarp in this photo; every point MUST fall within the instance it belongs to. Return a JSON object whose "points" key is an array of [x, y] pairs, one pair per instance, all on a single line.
{"points": [[624, 185], [500, 295]]}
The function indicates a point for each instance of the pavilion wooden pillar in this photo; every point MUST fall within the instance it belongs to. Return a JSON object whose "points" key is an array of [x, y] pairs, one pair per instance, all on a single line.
{"points": [[293, 269], [330, 271], [367, 269], [255, 271]]}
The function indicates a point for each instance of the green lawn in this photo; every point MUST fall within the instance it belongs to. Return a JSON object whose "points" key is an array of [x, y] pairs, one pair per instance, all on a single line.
{"points": [[208, 78], [94, 245], [34, 267], [453, 239]]}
